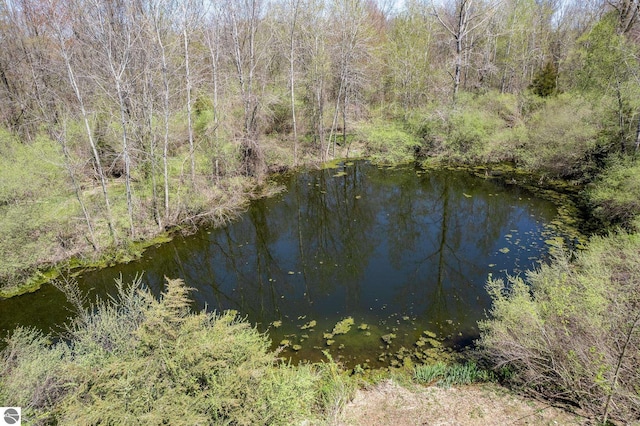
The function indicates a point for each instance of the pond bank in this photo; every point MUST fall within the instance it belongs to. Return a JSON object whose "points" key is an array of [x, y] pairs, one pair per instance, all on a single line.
{"points": [[562, 194], [388, 403], [128, 251]]}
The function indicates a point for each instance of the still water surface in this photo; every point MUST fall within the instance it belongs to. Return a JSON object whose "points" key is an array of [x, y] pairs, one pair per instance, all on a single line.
{"points": [[399, 250]]}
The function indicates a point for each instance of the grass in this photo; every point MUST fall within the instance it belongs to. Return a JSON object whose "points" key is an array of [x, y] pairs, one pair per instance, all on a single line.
{"points": [[447, 375]]}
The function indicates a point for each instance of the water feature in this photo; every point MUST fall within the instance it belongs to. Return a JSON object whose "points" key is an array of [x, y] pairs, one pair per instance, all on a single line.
{"points": [[393, 256]]}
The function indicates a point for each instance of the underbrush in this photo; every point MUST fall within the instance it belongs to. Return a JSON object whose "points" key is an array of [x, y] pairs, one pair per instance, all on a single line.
{"points": [[387, 142], [564, 136], [44, 226], [135, 359], [571, 330], [615, 194]]}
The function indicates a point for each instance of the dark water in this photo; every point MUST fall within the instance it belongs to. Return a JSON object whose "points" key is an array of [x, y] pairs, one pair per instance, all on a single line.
{"points": [[401, 250]]}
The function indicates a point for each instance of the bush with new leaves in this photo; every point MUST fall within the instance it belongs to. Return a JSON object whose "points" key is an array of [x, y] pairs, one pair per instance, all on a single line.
{"points": [[571, 331], [138, 360]]}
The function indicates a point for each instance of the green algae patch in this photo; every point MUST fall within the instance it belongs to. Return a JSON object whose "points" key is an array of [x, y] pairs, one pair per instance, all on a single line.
{"points": [[388, 338], [310, 324], [76, 266], [333, 164], [344, 326], [32, 285]]}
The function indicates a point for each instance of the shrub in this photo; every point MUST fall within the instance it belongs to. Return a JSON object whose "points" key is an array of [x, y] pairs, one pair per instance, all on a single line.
{"points": [[615, 193], [561, 135], [571, 331], [29, 171], [545, 81], [387, 142], [478, 128], [135, 359]]}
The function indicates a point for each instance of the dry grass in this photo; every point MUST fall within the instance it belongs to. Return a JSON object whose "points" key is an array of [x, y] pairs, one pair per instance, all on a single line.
{"points": [[388, 403]]}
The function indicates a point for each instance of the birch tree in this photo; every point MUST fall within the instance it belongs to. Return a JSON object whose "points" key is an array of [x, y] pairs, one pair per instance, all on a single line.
{"points": [[114, 38], [161, 15], [294, 6], [65, 47]]}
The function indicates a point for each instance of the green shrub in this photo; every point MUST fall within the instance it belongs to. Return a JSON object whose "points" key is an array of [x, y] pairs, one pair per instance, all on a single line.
{"points": [[478, 128], [615, 194], [560, 136], [571, 331], [545, 81], [30, 171], [135, 359], [387, 142]]}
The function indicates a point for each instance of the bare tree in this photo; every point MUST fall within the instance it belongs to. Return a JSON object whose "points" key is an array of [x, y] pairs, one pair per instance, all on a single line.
{"points": [[114, 36], [188, 18], [160, 13], [294, 5], [460, 24], [243, 20], [352, 55], [65, 46]]}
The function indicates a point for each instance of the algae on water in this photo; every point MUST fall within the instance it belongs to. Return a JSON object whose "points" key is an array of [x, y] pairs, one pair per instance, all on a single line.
{"points": [[343, 327], [309, 325]]}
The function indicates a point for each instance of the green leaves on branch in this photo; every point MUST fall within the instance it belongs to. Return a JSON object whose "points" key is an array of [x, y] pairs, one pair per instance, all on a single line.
{"points": [[571, 331], [138, 360]]}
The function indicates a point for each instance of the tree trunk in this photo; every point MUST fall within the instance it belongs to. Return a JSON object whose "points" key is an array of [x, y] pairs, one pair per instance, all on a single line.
{"points": [[125, 153], [94, 150], [76, 188], [295, 4], [185, 36], [165, 119]]}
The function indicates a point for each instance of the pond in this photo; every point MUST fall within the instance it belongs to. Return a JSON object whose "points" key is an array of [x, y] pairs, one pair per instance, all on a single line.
{"points": [[372, 264]]}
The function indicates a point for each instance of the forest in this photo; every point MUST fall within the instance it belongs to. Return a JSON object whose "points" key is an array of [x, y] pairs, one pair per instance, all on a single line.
{"points": [[121, 121]]}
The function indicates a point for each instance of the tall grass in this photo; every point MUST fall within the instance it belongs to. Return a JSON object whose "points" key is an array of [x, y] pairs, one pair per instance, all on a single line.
{"points": [[445, 375]]}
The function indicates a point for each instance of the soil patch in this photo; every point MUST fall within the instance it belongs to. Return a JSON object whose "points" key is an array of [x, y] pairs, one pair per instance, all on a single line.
{"points": [[388, 403]]}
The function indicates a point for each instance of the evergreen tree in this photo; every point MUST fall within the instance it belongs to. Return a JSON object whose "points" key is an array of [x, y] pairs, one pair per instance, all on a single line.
{"points": [[544, 82]]}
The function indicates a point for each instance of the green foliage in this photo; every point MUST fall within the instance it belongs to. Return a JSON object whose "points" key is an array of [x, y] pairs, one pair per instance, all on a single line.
{"points": [[479, 128], [35, 207], [387, 142], [29, 171], [135, 359], [562, 332], [450, 375], [336, 390], [603, 58], [545, 81], [561, 135], [614, 194]]}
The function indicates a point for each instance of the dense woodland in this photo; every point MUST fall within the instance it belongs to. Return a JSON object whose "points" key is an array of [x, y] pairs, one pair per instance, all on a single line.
{"points": [[122, 119]]}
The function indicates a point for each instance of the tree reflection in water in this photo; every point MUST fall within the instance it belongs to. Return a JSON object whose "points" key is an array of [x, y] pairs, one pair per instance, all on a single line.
{"points": [[402, 250]]}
